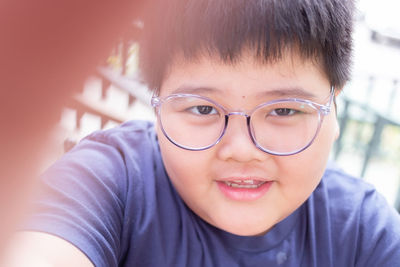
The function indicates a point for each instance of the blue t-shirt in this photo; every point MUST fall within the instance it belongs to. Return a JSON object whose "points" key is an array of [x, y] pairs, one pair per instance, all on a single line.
{"points": [[111, 197]]}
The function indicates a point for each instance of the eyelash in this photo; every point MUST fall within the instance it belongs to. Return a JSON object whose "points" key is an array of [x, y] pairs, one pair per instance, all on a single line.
{"points": [[195, 110], [291, 112]]}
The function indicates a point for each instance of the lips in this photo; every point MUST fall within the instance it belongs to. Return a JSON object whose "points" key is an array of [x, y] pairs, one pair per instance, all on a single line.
{"points": [[245, 189]]}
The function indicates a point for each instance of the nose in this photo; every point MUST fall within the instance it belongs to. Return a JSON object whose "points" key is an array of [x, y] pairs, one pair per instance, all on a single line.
{"points": [[236, 144]]}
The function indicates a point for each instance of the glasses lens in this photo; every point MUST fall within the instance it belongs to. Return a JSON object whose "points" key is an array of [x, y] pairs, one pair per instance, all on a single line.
{"points": [[285, 127], [191, 121]]}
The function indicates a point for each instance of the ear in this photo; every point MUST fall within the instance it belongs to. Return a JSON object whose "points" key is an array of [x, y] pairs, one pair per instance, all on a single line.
{"points": [[336, 129], [336, 126], [338, 91]]}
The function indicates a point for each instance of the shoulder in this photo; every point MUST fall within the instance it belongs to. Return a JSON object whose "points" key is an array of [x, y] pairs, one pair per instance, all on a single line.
{"points": [[106, 158], [91, 196], [342, 195], [114, 148], [343, 187], [129, 136], [359, 216], [347, 194], [110, 163]]}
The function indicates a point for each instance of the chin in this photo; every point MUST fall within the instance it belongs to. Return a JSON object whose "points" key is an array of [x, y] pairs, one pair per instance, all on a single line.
{"points": [[247, 232], [244, 229]]}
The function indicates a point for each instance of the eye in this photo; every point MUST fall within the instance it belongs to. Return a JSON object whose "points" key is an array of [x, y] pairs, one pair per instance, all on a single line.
{"points": [[203, 110], [283, 112]]}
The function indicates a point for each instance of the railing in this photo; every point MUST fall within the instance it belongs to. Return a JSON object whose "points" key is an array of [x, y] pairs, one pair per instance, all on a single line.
{"points": [[111, 77], [379, 123], [360, 116]]}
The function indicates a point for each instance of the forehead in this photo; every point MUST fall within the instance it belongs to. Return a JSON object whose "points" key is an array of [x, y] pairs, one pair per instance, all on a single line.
{"points": [[246, 77]]}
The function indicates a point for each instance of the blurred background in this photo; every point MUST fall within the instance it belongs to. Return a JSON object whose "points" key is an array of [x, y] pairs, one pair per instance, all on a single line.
{"points": [[368, 109]]}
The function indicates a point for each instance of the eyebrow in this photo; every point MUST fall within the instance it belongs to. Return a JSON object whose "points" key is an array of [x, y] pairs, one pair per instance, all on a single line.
{"points": [[284, 92], [292, 92], [188, 89]]}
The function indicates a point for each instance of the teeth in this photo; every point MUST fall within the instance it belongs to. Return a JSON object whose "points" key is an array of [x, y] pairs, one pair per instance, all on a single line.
{"points": [[244, 186], [243, 181], [249, 184]]}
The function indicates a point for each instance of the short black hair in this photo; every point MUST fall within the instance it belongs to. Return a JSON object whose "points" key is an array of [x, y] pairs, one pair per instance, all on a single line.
{"points": [[316, 29]]}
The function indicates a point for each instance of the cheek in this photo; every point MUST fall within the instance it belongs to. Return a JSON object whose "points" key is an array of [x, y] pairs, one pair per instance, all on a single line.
{"points": [[302, 172], [316, 156], [186, 169], [189, 173], [173, 159], [327, 136]]}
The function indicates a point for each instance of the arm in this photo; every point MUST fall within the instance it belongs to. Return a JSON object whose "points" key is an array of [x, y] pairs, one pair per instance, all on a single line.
{"points": [[37, 249], [78, 212]]}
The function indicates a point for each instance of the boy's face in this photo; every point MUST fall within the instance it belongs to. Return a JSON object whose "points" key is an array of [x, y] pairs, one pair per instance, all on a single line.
{"points": [[289, 180]]}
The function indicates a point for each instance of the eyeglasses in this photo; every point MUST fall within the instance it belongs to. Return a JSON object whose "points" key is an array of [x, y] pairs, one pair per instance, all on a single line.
{"points": [[280, 127]]}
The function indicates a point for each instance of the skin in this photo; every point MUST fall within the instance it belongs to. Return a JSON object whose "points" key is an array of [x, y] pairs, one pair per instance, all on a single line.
{"points": [[47, 50], [241, 87]]}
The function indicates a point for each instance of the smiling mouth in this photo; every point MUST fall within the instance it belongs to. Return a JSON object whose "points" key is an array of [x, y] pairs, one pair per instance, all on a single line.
{"points": [[245, 184], [244, 189]]}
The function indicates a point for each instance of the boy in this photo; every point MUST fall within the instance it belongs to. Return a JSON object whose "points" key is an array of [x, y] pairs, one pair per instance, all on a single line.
{"points": [[235, 171]]}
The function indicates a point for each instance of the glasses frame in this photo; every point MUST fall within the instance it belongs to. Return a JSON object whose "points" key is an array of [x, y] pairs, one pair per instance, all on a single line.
{"points": [[323, 110]]}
